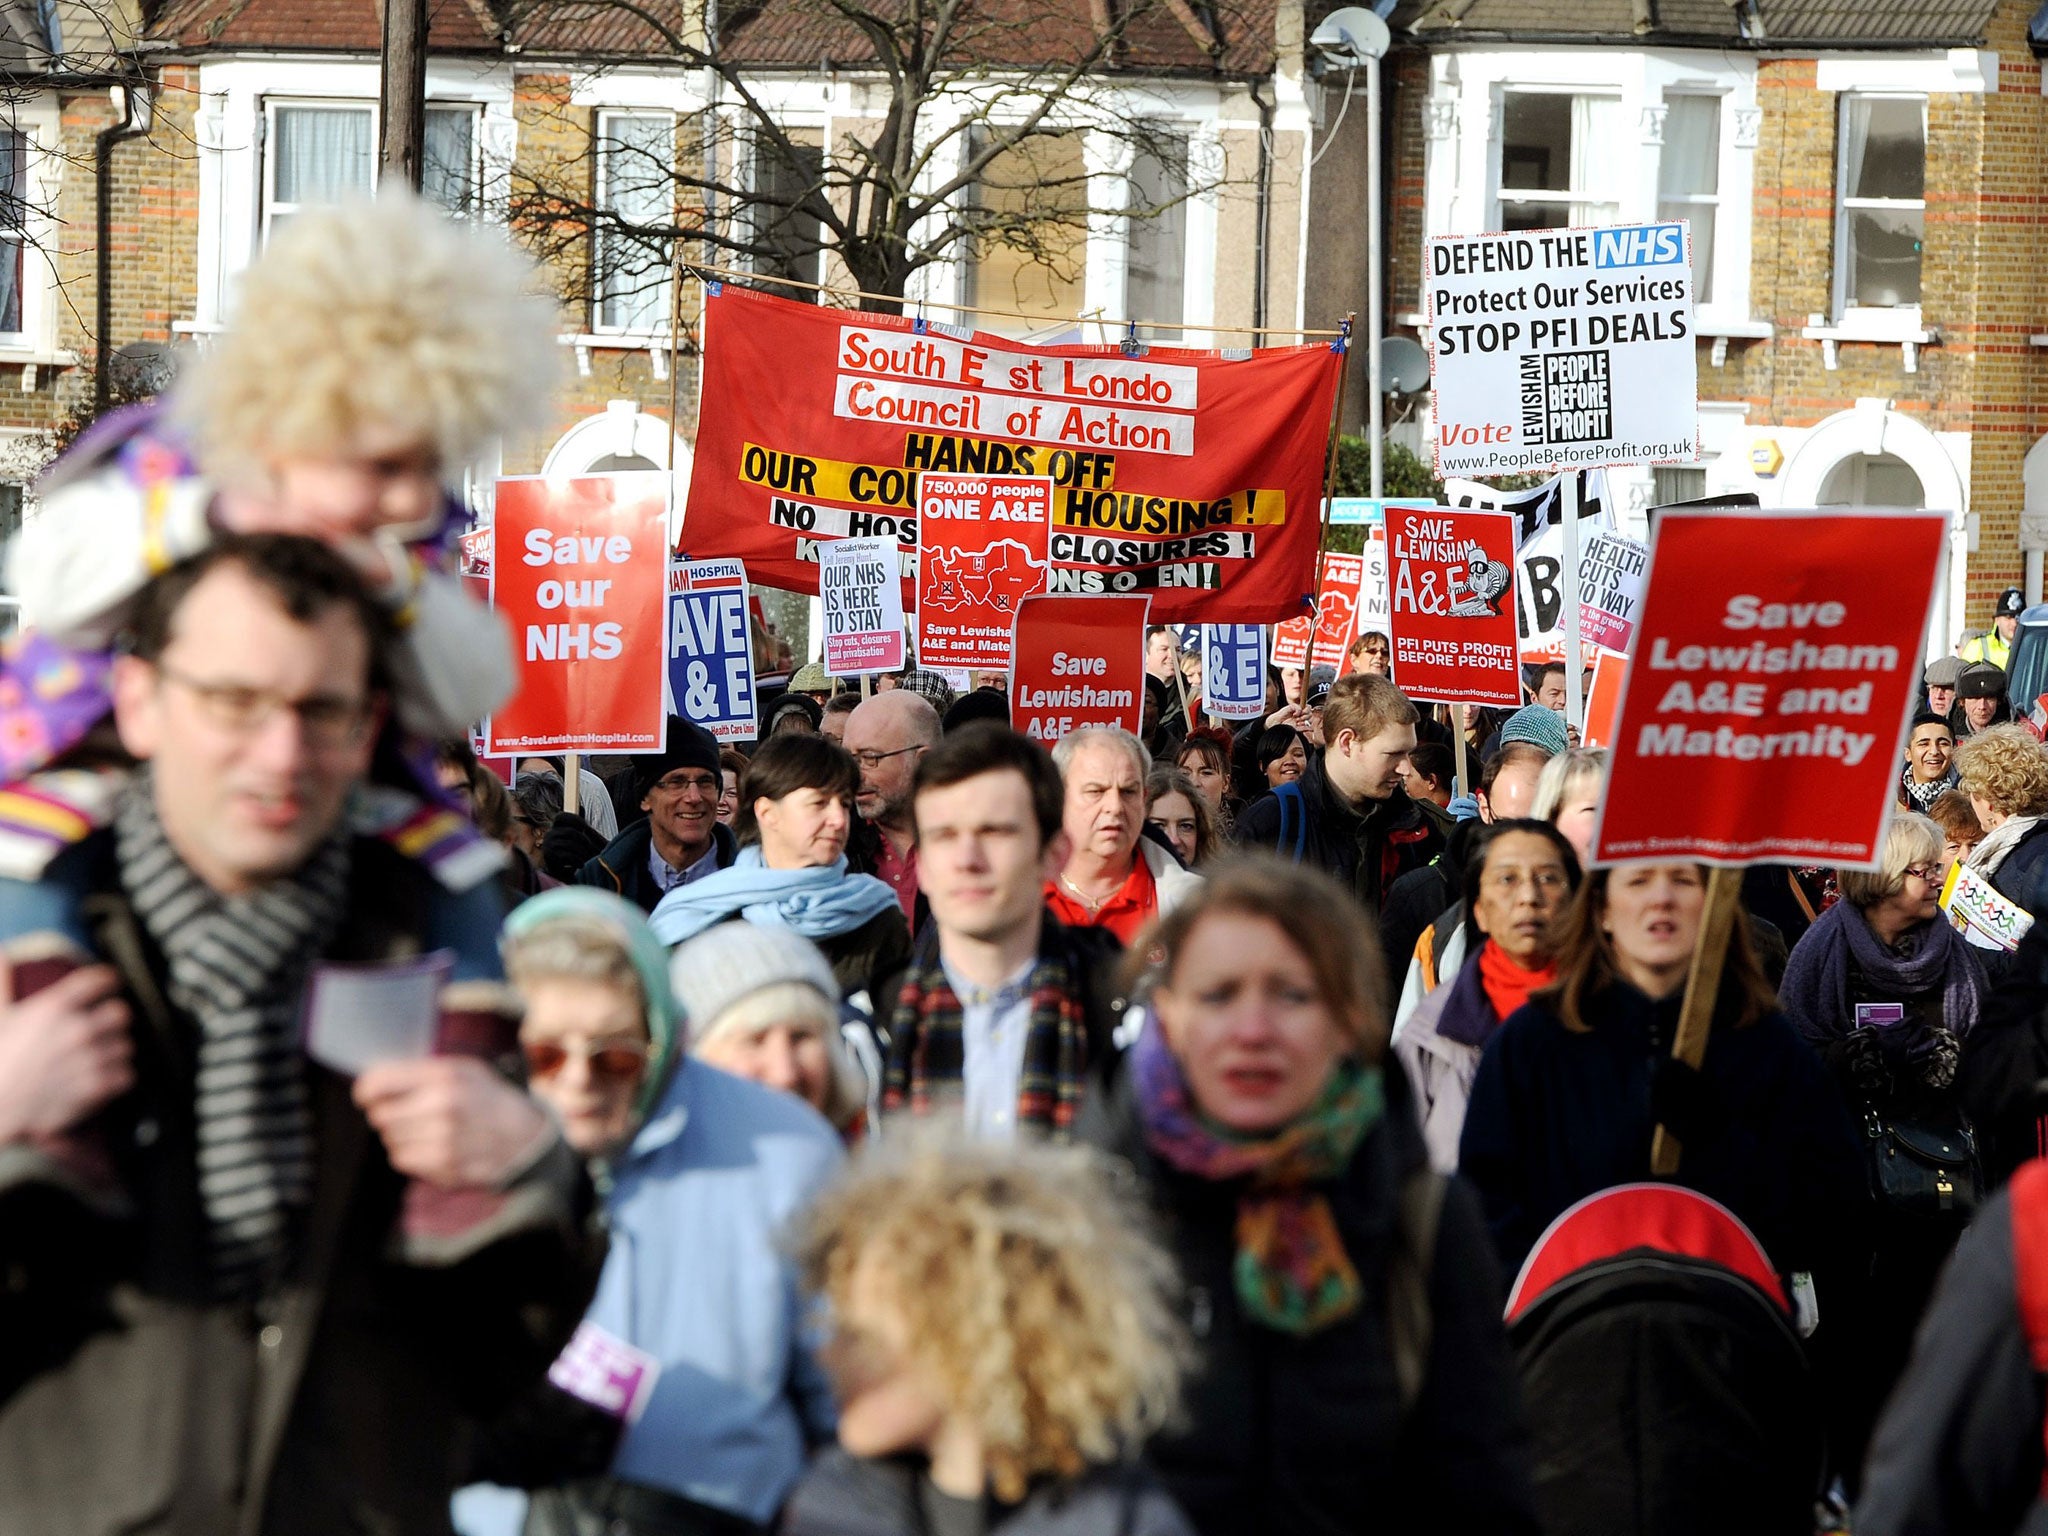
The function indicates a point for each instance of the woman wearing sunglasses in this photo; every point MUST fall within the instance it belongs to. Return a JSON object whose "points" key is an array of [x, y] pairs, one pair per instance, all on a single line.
{"points": [[701, 1170]]}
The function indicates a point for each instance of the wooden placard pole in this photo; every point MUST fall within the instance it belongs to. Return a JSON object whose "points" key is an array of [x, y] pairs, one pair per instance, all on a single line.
{"points": [[572, 783], [1329, 490], [1458, 717], [1702, 987]]}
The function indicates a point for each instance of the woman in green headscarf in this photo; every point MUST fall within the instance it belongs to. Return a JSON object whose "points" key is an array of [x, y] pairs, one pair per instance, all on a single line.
{"points": [[1344, 1299], [696, 1342]]}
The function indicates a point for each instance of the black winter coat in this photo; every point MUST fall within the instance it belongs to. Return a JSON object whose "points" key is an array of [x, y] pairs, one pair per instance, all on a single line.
{"points": [[1364, 853], [2005, 1056], [1557, 1115], [1959, 1447], [1305, 1435], [1423, 895], [623, 866]]}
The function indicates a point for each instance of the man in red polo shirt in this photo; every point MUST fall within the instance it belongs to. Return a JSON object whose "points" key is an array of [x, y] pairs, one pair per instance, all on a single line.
{"points": [[1114, 878]]}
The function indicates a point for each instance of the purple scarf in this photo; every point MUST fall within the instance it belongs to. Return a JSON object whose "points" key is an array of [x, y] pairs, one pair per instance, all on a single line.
{"points": [[1815, 991]]}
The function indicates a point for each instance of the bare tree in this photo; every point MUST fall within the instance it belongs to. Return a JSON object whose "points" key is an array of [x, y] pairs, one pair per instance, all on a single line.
{"points": [[972, 142]]}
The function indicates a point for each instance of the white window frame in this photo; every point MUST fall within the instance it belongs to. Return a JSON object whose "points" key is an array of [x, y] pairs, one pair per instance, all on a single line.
{"points": [[756, 155], [1860, 317], [1172, 333], [1497, 153], [474, 110], [271, 203], [605, 117], [271, 103], [1717, 199]]}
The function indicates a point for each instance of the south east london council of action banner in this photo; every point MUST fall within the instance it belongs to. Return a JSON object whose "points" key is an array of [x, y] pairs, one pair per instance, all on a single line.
{"points": [[1191, 476]]}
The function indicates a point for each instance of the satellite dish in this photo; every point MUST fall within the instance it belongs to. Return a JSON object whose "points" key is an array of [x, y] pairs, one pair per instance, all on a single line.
{"points": [[142, 368], [1404, 366], [1347, 38]]}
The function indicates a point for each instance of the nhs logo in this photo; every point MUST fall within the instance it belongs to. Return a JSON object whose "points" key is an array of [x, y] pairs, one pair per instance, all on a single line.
{"points": [[1640, 245]]}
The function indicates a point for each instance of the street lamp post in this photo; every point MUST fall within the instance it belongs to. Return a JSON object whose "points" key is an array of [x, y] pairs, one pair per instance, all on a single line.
{"points": [[1348, 40]]}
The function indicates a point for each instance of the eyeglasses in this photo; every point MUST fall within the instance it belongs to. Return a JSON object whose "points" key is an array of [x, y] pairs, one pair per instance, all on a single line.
{"points": [[873, 760], [615, 1060], [1923, 872], [1542, 880], [702, 783], [326, 721]]}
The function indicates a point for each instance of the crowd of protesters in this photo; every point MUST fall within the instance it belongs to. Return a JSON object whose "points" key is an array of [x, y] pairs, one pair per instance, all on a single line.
{"points": [[892, 1126]]}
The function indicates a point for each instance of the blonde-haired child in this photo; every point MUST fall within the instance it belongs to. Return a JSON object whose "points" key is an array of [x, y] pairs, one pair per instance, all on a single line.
{"points": [[1001, 1340], [377, 348]]}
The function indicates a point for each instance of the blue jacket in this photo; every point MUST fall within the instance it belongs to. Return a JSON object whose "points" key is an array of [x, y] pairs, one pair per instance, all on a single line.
{"points": [[697, 1277]]}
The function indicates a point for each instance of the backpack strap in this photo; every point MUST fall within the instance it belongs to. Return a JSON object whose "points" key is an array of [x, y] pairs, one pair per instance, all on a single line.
{"points": [[1410, 1326], [1291, 809], [2030, 1265], [1425, 956]]}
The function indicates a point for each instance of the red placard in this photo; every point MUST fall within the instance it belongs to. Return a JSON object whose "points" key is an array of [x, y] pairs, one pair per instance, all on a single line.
{"points": [[1078, 661], [1193, 475], [1291, 641], [1603, 699], [1450, 572], [581, 577], [981, 550], [1764, 715], [1337, 609]]}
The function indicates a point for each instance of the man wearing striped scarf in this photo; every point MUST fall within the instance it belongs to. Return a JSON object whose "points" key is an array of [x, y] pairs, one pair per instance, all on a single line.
{"points": [[1007, 1017], [292, 1285]]}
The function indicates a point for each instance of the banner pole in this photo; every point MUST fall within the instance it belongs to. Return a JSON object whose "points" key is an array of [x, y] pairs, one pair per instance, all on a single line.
{"points": [[1458, 714], [1702, 987], [1329, 481], [1574, 626], [572, 783]]}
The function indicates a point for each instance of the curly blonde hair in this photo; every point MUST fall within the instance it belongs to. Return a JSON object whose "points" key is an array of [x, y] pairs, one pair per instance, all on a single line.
{"points": [[1042, 1304], [374, 316], [2007, 767]]}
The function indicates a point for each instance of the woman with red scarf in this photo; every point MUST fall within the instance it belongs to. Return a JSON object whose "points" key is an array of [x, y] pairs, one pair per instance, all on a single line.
{"points": [[1519, 875]]}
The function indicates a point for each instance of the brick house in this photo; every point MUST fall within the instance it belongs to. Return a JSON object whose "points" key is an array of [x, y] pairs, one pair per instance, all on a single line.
{"points": [[1866, 188], [238, 112]]}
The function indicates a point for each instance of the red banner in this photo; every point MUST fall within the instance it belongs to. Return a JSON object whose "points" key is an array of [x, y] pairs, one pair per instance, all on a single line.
{"points": [[581, 577], [1764, 713], [1337, 609], [982, 550], [1450, 573], [1078, 661], [1195, 476]]}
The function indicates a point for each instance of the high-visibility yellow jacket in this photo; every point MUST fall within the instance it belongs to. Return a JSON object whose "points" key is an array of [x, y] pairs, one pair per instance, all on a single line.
{"points": [[1989, 646]]}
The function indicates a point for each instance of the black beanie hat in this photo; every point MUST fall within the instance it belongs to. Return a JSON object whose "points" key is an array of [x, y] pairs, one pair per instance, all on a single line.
{"points": [[689, 746]]}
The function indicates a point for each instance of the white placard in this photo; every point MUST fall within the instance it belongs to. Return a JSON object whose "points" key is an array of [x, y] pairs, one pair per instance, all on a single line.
{"points": [[1374, 607], [863, 600], [1554, 349], [357, 1016], [1612, 572]]}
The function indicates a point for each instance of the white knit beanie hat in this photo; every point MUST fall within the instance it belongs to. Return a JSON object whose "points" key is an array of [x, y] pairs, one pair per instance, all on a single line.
{"points": [[731, 961]]}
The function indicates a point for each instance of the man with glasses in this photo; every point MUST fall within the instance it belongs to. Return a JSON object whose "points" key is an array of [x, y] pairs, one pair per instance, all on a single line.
{"points": [[682, 839], [888, 736], [311, 1275]]}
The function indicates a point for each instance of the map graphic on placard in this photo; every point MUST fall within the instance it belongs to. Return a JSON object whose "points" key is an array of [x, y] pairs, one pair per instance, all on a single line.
{"points": [[996, 576]]}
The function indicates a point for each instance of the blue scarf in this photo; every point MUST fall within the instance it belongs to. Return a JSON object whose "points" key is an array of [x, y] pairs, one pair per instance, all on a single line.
{"points": [[820, 903]]}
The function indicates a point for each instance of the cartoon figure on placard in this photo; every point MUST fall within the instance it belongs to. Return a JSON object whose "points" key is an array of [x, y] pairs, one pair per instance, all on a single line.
{"points": [[1485, 581]]}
